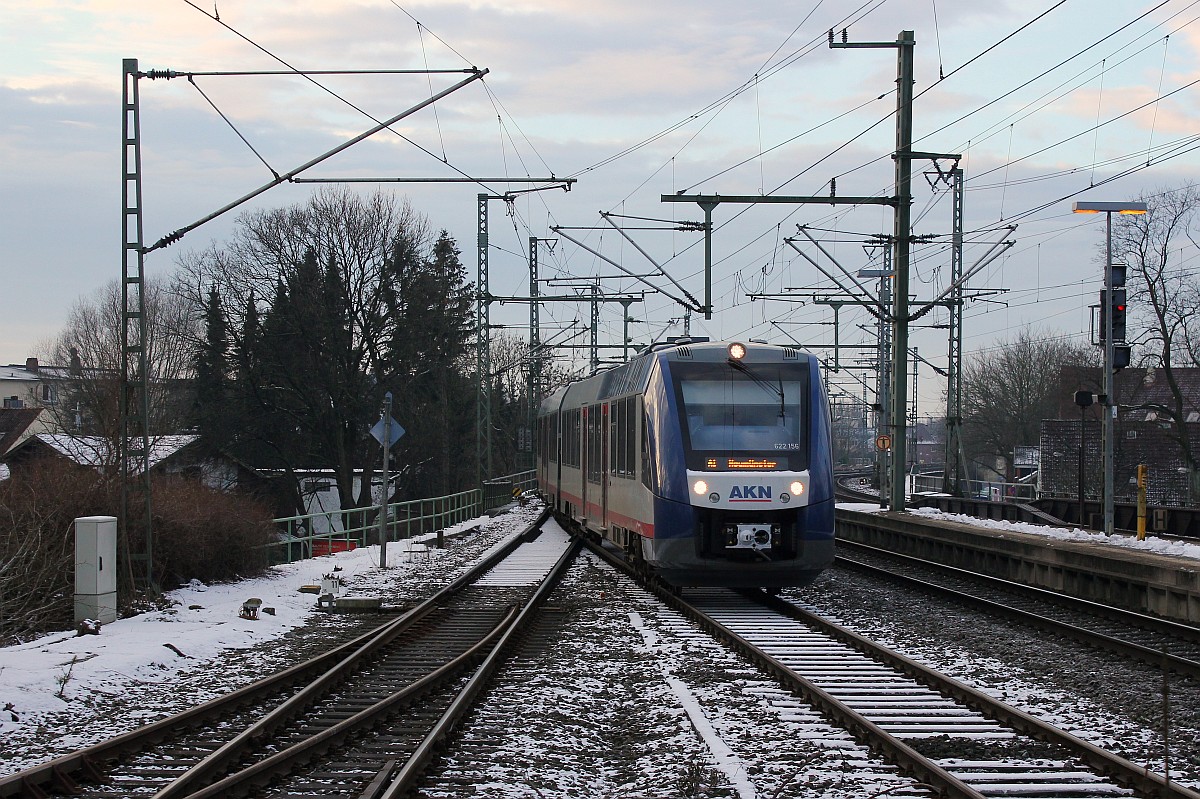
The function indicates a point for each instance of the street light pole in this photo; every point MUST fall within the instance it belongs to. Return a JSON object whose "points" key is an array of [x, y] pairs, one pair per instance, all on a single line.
{"points": [[1109, 411], [1110, 394]]}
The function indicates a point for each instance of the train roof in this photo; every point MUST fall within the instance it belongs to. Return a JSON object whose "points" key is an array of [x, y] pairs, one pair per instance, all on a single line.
{"points": [[633, 376]]}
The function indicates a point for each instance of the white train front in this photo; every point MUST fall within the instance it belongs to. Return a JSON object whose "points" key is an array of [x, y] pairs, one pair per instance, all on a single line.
{"points": [[708, 462]]}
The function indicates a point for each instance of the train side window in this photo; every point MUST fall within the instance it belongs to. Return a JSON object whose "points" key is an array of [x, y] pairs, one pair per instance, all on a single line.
{"points": [[629, 441], [595, 443], [614, 438], [577, 440], [552, 435], [622, 444], [648, 473], [624, 467], [571, 433], [543, 449]]}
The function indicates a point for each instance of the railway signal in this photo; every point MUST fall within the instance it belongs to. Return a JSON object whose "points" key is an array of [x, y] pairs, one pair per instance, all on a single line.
{"points": [[1121, 355], [1117, 308]]}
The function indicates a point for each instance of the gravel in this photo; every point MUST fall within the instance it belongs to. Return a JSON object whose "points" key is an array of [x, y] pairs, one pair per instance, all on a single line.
{"points": [[1104, 699], [631, 699]]}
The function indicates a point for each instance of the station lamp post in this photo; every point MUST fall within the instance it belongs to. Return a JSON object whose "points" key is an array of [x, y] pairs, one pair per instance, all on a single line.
{"points": [[1110, 406]]}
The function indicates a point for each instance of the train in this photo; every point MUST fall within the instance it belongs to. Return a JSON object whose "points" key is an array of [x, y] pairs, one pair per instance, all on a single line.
{"points": [[707, 463]]}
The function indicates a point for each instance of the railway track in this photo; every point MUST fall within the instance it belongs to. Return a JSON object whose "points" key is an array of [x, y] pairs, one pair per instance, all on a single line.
{"points": [[938, 730], [1155, 641], [328, 736]]}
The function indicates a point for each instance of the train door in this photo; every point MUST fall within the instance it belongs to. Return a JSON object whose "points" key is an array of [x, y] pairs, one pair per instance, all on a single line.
{"points": [[605, 434], [584, 459]]}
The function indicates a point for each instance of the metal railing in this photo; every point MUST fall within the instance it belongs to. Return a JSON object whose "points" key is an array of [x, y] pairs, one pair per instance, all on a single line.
{"points": [[339, 530], [991, 490]]}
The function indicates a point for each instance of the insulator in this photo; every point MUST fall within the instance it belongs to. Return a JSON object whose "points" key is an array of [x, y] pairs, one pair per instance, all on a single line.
{"points": [[833, 187], [845, 36], [831, 35], [171, 238], [165, 74]]}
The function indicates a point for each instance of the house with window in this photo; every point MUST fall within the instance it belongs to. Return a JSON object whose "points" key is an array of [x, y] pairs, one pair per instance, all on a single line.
{"points": [[1071, 452], [28, 385]]}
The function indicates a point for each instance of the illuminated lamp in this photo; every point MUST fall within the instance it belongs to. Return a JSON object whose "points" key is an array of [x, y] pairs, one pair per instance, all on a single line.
{"points": [[737, 351], [796, 488], [700, 487]]}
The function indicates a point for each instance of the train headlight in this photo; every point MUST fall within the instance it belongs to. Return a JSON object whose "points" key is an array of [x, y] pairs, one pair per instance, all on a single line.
{"points": [[796, 487], [737, 351], [700, 487]]}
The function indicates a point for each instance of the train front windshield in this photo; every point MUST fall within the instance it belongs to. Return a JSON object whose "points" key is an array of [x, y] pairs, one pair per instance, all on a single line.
{"points": [[752, 416]]}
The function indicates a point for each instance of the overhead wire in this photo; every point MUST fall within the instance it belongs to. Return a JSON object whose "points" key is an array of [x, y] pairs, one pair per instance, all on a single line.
{"points": [[722, 101], [791, 59], [1123, 27], [1045, 72], [892, 113], [323, 87]]}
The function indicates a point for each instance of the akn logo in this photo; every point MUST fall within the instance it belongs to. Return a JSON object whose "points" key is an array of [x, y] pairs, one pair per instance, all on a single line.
{"points": [[750, 493]]}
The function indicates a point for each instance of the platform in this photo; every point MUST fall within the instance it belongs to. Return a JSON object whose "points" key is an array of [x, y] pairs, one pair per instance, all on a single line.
{"points": [[1148, 582]]}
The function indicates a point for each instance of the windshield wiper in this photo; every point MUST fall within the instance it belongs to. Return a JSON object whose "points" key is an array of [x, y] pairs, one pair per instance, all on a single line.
{"points": [[762, 383]]}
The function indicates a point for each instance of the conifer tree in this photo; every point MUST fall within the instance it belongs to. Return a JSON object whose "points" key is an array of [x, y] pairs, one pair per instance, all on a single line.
{"points": [[211, 364]]}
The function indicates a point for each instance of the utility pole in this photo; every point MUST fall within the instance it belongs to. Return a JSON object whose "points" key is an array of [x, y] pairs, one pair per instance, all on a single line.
{"points": [[483, 352], [594, 358], [625, 331], [912, 412], [905, 43], [1108, 298], [901, 201], [952, 473], [133, 442], [387, 478], [483, 322], [535, 346]]}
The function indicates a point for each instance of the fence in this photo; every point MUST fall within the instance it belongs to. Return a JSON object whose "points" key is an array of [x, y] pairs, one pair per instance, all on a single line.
{"points": [[348, 529], [992, 490]]}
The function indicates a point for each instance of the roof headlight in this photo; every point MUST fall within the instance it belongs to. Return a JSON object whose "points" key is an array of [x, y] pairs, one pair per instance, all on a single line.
{"points": [[737, 351]]}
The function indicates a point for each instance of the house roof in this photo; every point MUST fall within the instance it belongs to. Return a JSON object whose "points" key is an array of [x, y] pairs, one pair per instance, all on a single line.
{"points": [[13, 424], [1134, 388], [15, 372], [94, 451]]}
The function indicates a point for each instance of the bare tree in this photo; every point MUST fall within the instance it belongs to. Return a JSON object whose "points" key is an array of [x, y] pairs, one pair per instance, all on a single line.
{"points": [[89, 348], [1166, 292], [357, 234], [1009, 389]]}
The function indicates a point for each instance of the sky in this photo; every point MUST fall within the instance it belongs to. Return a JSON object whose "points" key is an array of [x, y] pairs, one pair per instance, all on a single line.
{"points": [[1047, 102]]}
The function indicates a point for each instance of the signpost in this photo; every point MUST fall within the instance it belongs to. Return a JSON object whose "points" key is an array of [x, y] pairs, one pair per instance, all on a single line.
{"points": [[387, 431]]}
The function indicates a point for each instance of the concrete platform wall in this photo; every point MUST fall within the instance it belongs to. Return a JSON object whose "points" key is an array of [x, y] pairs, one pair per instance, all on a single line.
{"points": [[1146, 582]]}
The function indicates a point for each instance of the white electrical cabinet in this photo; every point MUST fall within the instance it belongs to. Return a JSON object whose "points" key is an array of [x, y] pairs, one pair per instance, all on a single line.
{"points": [[96, 569]]}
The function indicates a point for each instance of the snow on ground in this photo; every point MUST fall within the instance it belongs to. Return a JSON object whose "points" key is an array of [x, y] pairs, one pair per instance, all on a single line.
{"points": [[1174, 548], [42, 677]]}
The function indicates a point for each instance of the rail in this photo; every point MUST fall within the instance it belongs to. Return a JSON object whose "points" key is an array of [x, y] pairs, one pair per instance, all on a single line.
{"points": [[349, 529], [91, 764]]}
